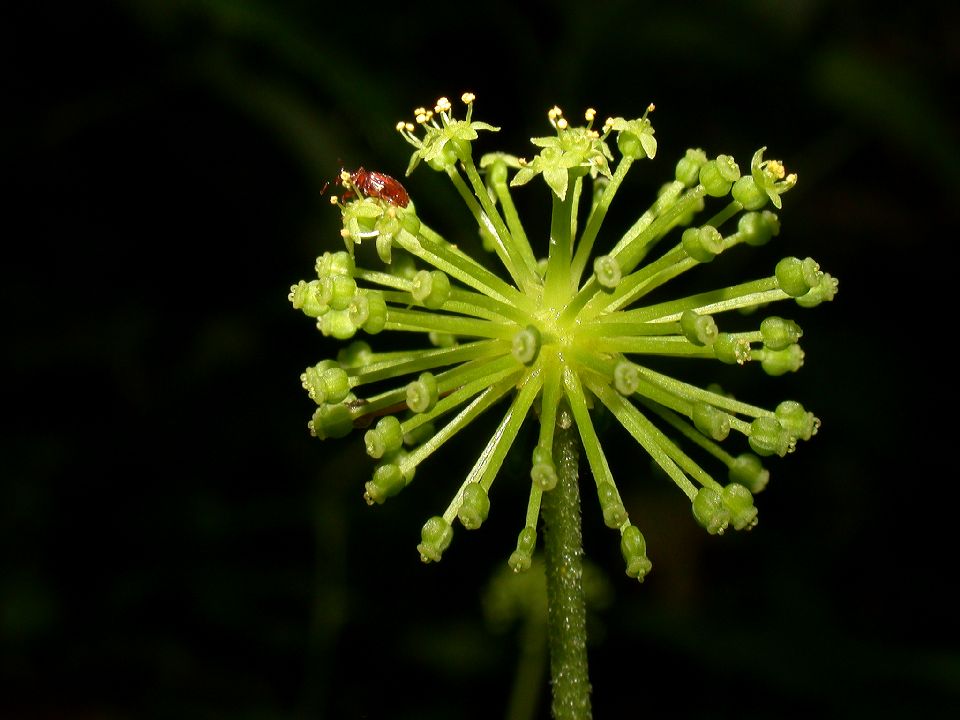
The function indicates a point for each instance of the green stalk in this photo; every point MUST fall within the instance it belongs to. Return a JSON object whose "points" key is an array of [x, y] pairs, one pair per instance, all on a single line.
{"points": [[567, 614]]}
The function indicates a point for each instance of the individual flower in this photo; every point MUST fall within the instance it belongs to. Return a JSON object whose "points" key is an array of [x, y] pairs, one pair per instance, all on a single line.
{"points": [[567, 333]]}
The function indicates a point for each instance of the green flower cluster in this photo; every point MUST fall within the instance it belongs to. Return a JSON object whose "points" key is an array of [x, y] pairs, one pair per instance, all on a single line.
{"points": [[569, 330]]}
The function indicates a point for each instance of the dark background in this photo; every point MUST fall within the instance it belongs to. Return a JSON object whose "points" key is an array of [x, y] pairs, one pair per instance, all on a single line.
{"points": [[174, 543]]}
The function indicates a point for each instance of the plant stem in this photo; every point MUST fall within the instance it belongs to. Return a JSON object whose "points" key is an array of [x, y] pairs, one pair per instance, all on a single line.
{"points": [[565, 598]]}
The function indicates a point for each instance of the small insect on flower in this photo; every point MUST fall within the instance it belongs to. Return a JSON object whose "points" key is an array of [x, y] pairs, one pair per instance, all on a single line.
{"points": [[373, 184]]}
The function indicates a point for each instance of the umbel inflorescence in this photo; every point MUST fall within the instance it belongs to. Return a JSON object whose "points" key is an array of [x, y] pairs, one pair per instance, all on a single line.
{"points": [[569, 330]]}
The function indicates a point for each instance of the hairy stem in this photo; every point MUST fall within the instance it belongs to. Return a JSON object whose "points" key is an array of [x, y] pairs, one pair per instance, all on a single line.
{"points": [[564, 559]]}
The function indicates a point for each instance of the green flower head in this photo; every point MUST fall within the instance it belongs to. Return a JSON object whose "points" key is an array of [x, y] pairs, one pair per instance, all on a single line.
{"points": [[558, 331]]}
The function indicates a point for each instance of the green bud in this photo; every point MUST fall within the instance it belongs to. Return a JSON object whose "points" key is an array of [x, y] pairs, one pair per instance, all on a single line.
{"points": [[356, 354], [823, 291], [385, 438], [305, 296], [710, 511], [758, 228], [739, 502], [431, 288], [325, 383], [747, 470], [337, 323], [778, 333], [331, 421], [436, 537], [337, 290], [387, 481], [543, 472], [633, 547], [422, 393], [768, 437], [779, 362], [626, 377], [376, 311], [614, 514], [337, 263], [688, 167], [607, 271], [521, 558], [698, 329], [525, 345], [702, 244], [796, 420], [795, 276], [711, 421], [474, 507], [746, 192], [731, 349], [718, 175], [420, 434]]}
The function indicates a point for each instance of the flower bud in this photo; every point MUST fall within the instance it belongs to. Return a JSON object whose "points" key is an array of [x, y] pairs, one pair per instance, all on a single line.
{"points": [[385, 438], [778, 333], [698, 329], [795, 276], [305, 296], [757, 228], [614, 514], [525, 345], [739, 502], [326, 382], [633, 547], [718, 175], [607, 271], [702, 244], [474, 506], [626, 377], [543, 472], [688, 167], [824, 291], [710, 511], [436, 537], [711, 421], [779, 362], [731, 349], [768, 437], [796, 420], [748, 471], [422, 393], [331, 421], [387, 481], [521, 558], [431, 288]]}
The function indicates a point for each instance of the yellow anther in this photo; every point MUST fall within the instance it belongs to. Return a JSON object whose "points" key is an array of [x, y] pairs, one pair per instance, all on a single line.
{"points": [[590, 114], [562, 124], [344, 176], [775, 168], [554, 112], [423, 117], [791, 179], [651, 107], [420, 111], [344, 233], [468, 97], [401, 125], [443, 105], [334, 199], [408, 127]]}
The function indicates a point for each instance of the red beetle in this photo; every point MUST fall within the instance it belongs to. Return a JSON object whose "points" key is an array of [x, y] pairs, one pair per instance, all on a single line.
{"points": [[375, 184]]}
